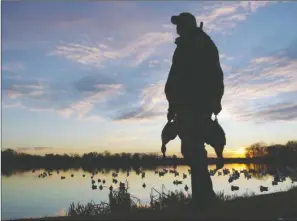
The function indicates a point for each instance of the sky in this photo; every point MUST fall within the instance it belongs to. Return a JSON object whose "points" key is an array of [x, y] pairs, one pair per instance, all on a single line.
{"points": [[90, 76]]}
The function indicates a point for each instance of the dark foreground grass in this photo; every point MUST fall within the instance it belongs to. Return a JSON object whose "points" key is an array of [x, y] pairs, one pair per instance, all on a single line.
{"points": [[175, 206]]}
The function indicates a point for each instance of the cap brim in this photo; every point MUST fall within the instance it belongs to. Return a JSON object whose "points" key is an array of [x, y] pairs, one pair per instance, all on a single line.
{"points": [[175, 19]]}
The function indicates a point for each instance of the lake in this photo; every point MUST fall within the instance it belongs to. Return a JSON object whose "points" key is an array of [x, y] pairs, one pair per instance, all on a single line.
{"points": [[24, 194]]}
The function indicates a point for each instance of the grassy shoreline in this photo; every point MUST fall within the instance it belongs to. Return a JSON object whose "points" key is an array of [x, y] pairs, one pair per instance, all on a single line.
{"points": [[258, 207]]}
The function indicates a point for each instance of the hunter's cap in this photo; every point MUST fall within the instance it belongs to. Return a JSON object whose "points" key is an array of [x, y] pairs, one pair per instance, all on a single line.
{"points": [[184, 18]]}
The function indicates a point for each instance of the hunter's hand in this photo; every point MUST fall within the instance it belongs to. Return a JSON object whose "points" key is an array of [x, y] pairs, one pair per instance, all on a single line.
{"points": [[217, 109], [170, 115]]}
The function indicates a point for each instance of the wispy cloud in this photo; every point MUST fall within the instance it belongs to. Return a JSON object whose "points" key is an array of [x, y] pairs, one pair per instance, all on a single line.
{"points": [[223, 16], [82, 107], [78, 100], [13, 67], [138, 50], [263, 79], [152, 104]]}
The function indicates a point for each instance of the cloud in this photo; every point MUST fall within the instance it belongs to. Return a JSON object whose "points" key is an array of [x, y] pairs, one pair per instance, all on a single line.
{"points": [[264, 81], [13, 67], [28, 90], [223, 16], [152, 104], [82, 107], [282, 111], [78, 99], [97, 54], [24, 149]]}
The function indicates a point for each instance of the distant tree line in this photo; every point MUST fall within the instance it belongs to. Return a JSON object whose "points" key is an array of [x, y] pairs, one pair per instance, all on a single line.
{"points": [[276, 152], [12, 160]]}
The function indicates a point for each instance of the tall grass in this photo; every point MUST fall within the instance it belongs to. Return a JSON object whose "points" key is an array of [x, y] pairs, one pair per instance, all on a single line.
{"points": [[121, 202]]}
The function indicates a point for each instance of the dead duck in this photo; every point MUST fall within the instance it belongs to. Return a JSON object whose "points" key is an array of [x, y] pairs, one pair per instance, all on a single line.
{"points": [[93, 181], [103, 181], [186, 187], [115, 181], [72, 175], [100, 187], [234, 188], [143, 185], [263, 188], [169, 133], [62, 177], [94, 187], [99, 180]]}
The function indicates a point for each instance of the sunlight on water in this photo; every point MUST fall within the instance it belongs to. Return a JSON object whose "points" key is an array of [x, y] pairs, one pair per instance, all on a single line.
{"points": [[26, 195]]}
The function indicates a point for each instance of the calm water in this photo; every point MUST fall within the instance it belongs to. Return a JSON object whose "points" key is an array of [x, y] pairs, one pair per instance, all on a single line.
{"points": [[26, 195]]}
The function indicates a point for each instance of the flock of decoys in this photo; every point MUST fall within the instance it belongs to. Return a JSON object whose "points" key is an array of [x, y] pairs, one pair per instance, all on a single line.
{"points": [[233, 175]]}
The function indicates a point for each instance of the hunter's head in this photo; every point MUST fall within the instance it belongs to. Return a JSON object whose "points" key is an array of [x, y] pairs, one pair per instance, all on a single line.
{"points": [[185, 22]]}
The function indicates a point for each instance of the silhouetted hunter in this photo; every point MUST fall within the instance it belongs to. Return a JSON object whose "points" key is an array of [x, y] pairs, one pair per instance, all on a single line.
{"points": [[194, 90]]}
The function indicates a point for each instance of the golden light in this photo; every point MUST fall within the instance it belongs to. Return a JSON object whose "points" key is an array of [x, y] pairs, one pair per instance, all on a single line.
{"points": [[240, 152]]}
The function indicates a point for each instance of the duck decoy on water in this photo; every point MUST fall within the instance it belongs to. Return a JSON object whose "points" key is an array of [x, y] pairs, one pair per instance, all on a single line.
{"points": [[62, 177], [263, 188], [122, 186], [177, 182], [212, 172], [226, 171], [274, 183], [234, 188], [111, 188]]}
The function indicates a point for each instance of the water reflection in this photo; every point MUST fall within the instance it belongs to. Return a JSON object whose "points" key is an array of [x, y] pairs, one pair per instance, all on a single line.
{"points": [[48, 193]]}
